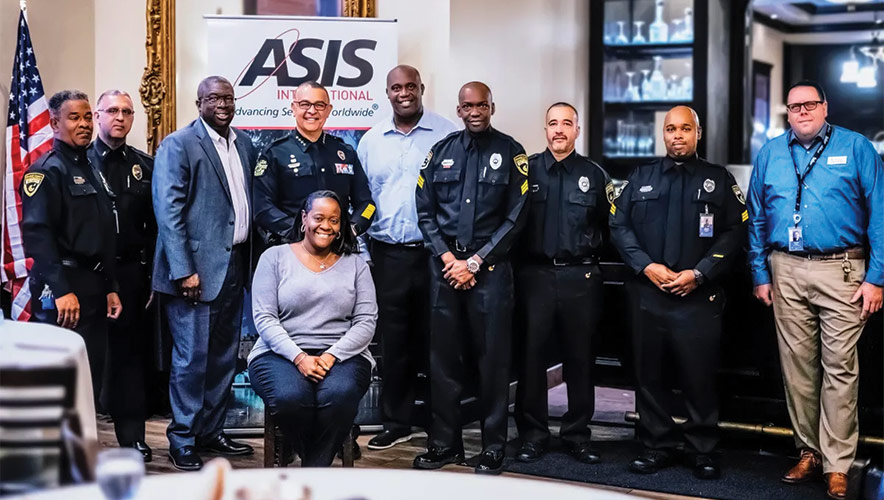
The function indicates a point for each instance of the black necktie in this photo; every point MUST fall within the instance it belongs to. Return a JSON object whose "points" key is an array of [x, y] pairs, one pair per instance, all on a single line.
{"points": [[672, 246], [551, 222], [468, 196]]}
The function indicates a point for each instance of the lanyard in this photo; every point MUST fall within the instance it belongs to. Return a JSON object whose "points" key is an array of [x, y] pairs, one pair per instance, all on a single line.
{"points": [[816, 156]]}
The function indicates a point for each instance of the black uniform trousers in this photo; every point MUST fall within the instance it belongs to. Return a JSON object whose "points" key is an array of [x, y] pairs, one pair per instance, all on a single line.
{"points": [[688, 330], [128, 354], [562, 306], [90, 288], [470, 325], [402, 280]]}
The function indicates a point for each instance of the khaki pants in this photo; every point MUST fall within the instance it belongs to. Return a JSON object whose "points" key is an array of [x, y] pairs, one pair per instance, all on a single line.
{"points": [[817, 332]]}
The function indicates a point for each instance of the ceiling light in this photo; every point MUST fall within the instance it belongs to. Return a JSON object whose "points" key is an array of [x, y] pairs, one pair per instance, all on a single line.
{"points": [[867, 77], [850, 69]]}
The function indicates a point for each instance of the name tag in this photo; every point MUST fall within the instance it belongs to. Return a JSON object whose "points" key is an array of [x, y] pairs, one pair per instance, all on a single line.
{"points": [[344, 168], [837, 160]]}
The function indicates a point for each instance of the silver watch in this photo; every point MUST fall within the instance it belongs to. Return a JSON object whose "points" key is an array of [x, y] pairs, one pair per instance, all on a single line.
{"points": [[473, 265]]}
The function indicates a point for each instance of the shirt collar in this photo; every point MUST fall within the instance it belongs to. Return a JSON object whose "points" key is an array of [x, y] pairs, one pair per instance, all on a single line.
{"points": [[689, 164], [819, 135], [567, 162], [103, 149], [304, 142], [216, 137], [77, 155], [423, 123], [483, 138]]}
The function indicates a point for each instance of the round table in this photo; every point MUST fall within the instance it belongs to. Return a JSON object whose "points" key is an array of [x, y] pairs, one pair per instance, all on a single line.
{"points": [[346, 484]]}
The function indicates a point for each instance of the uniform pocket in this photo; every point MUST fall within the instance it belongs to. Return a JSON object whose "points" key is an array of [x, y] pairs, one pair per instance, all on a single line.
{"points": [[81, 189], [646, 207]]}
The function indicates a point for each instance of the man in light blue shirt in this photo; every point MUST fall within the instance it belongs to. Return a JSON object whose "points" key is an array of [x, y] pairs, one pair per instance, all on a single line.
{"points": [[392, 154], [816, 196]]}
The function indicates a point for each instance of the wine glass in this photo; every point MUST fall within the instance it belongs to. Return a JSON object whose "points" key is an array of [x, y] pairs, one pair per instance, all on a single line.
{"points": [[646, 85], [631, 93], [638, 37], [118, 473], [677, 34], [621, 37]]}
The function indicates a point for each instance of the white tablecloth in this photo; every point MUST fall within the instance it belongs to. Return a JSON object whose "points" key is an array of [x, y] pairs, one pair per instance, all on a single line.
{"points": [[36, 345], [349, 484]]}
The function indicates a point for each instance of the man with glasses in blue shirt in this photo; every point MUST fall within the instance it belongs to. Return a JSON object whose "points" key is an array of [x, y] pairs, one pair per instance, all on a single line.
{"points": [[391, 154], [305, 161], [816, 239]]}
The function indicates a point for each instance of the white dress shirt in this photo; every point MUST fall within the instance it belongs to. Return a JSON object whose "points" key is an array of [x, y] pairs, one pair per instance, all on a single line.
{"points": [[233, 169]]}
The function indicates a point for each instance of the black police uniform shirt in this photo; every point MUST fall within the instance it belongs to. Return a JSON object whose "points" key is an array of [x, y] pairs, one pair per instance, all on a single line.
{"points": [[292, 167], [568, 205], [501, 186], [67, 213], [639, 216], [129, 171]]}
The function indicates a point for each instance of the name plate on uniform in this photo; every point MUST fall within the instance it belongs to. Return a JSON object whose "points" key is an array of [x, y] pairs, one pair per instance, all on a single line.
{"points": [[837, 160], [344, 168]]}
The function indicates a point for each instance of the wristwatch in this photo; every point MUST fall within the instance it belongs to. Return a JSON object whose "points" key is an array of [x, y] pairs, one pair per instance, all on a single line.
{"points": [[473, 265], [698, 277]]}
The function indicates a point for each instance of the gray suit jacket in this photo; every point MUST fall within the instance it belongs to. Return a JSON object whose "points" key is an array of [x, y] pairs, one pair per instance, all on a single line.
{"points": [[194, 211]]}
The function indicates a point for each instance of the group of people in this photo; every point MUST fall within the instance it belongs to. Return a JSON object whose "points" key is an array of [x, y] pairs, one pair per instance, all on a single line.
{"points": [[463, 230]]}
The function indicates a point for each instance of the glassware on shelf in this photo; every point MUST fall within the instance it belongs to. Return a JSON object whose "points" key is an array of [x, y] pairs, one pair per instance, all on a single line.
{"points": [[621, 37], [658, 32], [687, 84], [688, 24], [658, 81], [673, 89], [631, 93], [637, 36], [646, 85], [677, 33]]}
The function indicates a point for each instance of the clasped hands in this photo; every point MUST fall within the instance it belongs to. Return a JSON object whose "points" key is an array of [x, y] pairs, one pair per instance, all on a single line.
{"points": [[315, 368], [456, 272], [681, 283]]}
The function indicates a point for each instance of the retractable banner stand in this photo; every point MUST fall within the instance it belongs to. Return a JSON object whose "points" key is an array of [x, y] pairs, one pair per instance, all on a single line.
{"points": [[266, 58]]}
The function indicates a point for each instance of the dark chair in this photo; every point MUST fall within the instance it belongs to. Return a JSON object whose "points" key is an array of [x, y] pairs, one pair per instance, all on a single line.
{"points": [[40, 433], [277, 449]]}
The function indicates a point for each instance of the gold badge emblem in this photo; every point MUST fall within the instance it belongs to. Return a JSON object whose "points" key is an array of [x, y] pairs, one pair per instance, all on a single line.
{"points": [[31, 182], [739, 194], [609, 192], [260, 167], [522, 164], [137, 172]]}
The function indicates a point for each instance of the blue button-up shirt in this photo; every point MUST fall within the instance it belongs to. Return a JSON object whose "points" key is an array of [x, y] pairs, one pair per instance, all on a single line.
{"points": [[392, 161], [842, 201]]}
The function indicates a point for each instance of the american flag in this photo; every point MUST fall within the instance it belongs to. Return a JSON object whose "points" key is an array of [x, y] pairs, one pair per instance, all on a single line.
{"points": [[28, 136]]}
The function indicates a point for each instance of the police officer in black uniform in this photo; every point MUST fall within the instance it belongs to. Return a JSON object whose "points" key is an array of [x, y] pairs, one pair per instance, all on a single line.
{"points": [[69, 228], [128, 171], [678, 223], [559, 286], [470, 202], [308, 160]]}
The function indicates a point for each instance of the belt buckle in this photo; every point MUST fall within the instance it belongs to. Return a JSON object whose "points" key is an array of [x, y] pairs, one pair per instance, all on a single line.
{"points": [[558, 263], [459, 247]]}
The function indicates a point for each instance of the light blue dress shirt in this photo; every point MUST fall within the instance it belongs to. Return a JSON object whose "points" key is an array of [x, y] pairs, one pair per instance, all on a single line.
{"points": [[842, 201], [392, 160]]}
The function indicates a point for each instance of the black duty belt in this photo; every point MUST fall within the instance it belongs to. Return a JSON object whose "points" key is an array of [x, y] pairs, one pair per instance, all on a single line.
{"points": [[472, 247], [81, 263], [414, 244], [851, 253], [571, 261]]}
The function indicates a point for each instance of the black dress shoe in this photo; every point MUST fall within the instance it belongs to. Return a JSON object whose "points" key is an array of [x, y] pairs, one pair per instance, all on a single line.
{"points": [[436, 458], [223, 445], [705, 467], [651, 461], [357, 452], [530, 452], [186, 458], [584, 452], [389, 439], [490, 462], [142, 448]]}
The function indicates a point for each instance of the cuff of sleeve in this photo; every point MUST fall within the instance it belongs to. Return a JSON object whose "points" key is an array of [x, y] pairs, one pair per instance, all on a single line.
{"points": [[439, 247], [183, 271], [485, 253], [641, 263], [761, 277], [290, 351], [334, 351], [705, 266], [875, 277]]}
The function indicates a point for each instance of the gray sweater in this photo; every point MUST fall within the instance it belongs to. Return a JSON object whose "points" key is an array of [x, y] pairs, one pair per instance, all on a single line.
{"points": [[295, 308]]}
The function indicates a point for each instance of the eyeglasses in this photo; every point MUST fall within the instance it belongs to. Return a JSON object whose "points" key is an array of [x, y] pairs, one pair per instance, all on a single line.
{"points": [[215, 99], [318, 105], [808, 106], [114, 111]]}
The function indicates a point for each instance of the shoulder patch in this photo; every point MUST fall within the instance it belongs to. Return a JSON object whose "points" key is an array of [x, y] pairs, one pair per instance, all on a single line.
{"points": [[618, 192], [521, 162], [426, 162], [31, 183], [609, 191], [260, 167], [739, 194]]}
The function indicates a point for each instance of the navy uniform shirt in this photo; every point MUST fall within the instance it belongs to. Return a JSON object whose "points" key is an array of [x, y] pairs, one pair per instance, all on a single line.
{"points": [[568, 204], [128, 171], [485, 178], [640, 222], [67, 213], [293, 167]]}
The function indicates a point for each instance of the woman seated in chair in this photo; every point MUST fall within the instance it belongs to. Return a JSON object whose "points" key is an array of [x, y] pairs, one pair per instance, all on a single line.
{"points": [[315, 309]]}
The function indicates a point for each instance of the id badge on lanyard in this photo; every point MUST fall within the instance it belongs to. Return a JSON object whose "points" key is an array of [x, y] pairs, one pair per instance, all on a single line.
{"points": [[796, 234]]}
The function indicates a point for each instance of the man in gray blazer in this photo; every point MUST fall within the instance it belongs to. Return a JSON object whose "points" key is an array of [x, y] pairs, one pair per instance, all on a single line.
{"points": [[201, 190]]}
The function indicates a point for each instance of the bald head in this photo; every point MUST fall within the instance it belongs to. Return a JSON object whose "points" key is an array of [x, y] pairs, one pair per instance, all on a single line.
{"points": [[475, 87], [681, 132], [405, 92], [403, 71]]}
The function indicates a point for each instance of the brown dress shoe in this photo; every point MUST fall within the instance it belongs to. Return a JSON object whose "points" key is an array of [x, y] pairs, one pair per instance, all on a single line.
{"points": [[837, 485], [808, 467]]}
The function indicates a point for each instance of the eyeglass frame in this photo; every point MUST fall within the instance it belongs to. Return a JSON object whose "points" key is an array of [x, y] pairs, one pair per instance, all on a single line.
{"points": [[315, 105], [212, 99], [127, 112], [804, 105]]}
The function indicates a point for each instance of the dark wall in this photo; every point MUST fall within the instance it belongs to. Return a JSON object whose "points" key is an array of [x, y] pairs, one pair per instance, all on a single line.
{"points": [[861, 110]]}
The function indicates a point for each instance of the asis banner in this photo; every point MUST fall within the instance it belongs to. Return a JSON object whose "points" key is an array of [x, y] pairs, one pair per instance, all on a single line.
{"points": [[267, 57]]}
